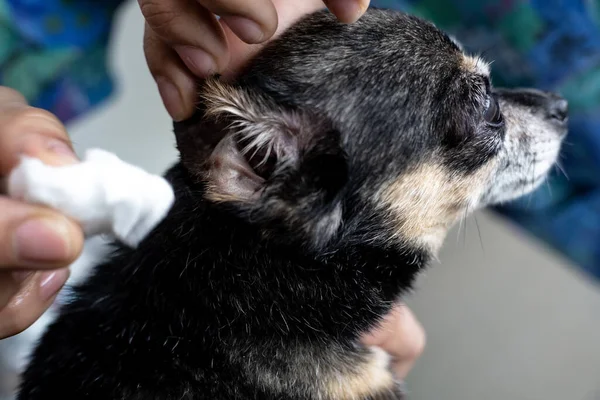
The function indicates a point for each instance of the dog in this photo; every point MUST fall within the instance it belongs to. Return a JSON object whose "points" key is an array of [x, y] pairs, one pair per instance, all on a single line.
{"points": [[310, 193]]}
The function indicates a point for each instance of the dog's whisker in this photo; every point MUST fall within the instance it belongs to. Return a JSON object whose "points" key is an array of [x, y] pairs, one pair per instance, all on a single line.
{"points": [[461, 223], [466, 223], [561, 168], [530, 172], [526, 189], [479, 232]]}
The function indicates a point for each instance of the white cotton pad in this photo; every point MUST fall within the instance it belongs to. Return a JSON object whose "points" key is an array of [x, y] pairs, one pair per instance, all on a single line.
{"points": [[103, 193]]}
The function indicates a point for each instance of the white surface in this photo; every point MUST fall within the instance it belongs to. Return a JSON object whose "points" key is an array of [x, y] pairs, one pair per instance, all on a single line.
{"points": [[510, 322], [102, 192]]}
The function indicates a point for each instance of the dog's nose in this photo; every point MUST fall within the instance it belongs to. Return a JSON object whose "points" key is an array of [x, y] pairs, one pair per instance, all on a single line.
{"points": [[558, 109]]}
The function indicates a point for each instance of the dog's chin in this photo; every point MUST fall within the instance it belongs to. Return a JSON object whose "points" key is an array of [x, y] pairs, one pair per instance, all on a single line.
{"points": [[520, 186], [527, 188], [522, 172]]}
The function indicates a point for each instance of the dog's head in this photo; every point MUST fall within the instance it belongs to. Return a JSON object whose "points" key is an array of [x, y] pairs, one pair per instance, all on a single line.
{"points": [[382, 131]]}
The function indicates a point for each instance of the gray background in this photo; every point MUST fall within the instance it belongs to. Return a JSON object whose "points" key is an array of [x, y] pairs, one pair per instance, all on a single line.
{"points": [[506, 318]]}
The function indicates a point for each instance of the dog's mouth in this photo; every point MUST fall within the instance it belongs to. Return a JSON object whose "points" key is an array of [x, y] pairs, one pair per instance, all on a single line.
{"points": [[521, 173]]}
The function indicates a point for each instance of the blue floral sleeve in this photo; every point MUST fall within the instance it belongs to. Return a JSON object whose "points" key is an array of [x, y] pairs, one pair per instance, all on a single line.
{"points": [[54, 52]]}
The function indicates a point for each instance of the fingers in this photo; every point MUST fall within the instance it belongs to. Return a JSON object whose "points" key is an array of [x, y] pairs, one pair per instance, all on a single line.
{"points": [[31, 131], [31, 237], [184, 40], [401, 336], [35, 237], [8, 287], [347, 11], [32, 296], [288, 12], [253, 21], [176, 84], [191, 30]]}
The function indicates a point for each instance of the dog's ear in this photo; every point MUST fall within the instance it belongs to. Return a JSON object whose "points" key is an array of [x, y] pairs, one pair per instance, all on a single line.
{"points": [[281, 166]]}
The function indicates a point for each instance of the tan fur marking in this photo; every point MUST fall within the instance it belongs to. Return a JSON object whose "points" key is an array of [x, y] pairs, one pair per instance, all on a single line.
{"points": [[213, 195], [475, 65], [323, 374], [426, 202], [372, 378]]}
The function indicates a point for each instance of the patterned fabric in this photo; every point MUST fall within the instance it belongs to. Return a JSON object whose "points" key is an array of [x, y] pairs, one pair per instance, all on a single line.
{"points": [[54, 51]]}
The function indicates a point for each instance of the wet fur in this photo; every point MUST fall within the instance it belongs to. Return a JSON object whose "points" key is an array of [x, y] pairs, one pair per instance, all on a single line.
{"points": [[310, 194]]}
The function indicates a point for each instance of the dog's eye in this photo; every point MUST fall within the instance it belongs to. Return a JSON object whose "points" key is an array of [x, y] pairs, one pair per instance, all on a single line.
{"points": [[492, 114]]}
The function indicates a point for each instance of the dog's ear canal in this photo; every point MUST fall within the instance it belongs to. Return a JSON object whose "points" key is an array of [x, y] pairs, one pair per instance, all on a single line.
{"points": [[263, 154]]}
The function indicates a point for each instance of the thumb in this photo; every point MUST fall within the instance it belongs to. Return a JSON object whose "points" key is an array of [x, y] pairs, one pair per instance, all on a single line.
{"points": [[401, 336]]}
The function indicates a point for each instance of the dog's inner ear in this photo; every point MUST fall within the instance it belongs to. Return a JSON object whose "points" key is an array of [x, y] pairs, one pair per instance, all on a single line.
{"points": [[282, 166], [258, 139], [256, 144]]}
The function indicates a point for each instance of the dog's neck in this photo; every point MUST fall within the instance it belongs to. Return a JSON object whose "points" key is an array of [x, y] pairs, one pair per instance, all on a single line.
{"points": [[217, 224], [211, 257]]}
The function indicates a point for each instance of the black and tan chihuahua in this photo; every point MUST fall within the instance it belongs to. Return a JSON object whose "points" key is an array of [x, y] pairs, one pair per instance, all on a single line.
{"points": [[310, 193]]}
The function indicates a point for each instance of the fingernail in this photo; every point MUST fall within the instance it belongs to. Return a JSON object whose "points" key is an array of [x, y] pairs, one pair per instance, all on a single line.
{"points": [[21, 276], [51, 282], [171, 98], [363, 5], [354, 13], [197, 60], [244, 28], [62, 149], [348, 11], [42, 240]]}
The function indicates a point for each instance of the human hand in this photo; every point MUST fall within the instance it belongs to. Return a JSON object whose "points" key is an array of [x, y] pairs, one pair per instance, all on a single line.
{"points": [[183, 41], [36, 243], [401, 336]]}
